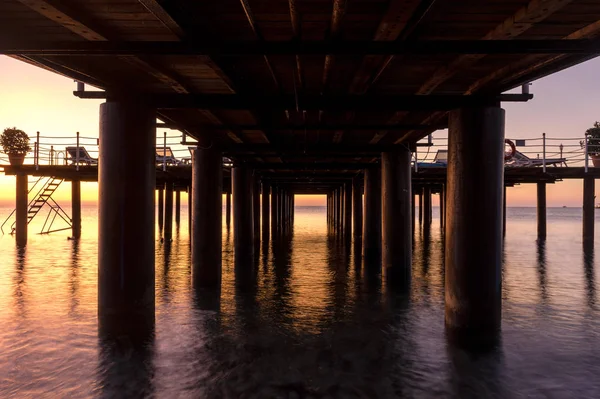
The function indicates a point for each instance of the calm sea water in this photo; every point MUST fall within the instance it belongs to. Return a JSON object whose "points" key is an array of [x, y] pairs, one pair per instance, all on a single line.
{"points": [[313, 323]]}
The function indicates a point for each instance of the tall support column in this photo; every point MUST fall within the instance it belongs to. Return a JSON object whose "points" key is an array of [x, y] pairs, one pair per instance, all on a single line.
{"points": [[161, 207], [504, 212], [474, 224], [189, 190], [228, 209], [274, 211], [372, 214], [348, 210], [256, 207], [357, 215], [396, 245], [421, 205], [588, 208], [266, 212], [340, 209], [168, 233], [426, 207], [76, 208], [243, 227], [442, 207], [126, 184], [21, 209], [207, 214], [413, 211], [541, 210], [177, 207]]}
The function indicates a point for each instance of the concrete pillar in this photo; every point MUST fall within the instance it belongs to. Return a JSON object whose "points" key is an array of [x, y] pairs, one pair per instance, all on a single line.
{"points": [[357, 215], [207, 198], [266, 217], [396, 245], [348, 210], [274, 211], [228, 209], [126, 184], [504, 212], [76, 208], [541, 210], [426, 207], [473, 257], [168, 232], [189, 190], [420, 205], [161, 207], [413, 211], [589, 212], [177, 207], [256, 207], [339, 210], [22, 201], [442, 207], [372, 214], [243, 225]]}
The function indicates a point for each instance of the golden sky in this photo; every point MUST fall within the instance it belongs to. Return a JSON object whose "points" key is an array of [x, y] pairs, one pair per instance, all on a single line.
{"points": [[565, 105]]}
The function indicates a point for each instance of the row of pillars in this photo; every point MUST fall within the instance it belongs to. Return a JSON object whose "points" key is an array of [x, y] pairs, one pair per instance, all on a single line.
{"points": [[166, 193], [474, 217]]}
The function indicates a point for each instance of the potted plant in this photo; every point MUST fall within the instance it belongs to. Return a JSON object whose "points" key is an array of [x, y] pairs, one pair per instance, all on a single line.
{"points": [[15, 143]]}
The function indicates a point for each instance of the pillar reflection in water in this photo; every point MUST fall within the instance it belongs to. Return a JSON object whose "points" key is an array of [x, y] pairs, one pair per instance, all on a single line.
{"points": [[541, 269], [588, 267]]}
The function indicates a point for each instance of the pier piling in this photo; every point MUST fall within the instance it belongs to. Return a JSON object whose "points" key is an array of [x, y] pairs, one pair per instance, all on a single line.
{"points": [[348, 210], [21, 209], [168, 232], [357, 207], [427, 211], [127, 180], [372, 214], [266, 212], [421, 205], [396, 245], [256, 207], [474, 225], [76, 208], [207, 219], [243, 227], [228, 208], [589, 212], [274, 211], [541, 210], [161, 207], [177, 207]]}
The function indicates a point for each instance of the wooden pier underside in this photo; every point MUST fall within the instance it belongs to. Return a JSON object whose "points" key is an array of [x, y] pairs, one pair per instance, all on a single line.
{"points": [[315, 181]]}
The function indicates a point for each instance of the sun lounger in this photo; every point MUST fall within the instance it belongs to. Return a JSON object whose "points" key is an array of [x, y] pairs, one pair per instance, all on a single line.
{"points": [[520, 160], [164, 155], [84, 157]]}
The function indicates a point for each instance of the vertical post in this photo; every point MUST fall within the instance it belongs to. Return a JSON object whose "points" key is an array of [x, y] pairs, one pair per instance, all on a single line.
{"points": [[357, 207], [426, 208], [161, 206], [168, 232], [190, 204], [586, 155], [76, 154], [420, 205], [256, 207], [243, 230], [228, 208], [164, 151], [588, 208], [416, 159], [76, 208], [543, 153], [51, 155], [372, 214], [266, 217], [21, 209], [396, 252], [37, 151], [413, 210], [207, 217], [126, 184], [541, 210], [348, 210], [177, 207], [442, 207], [274, 211], [474, 225]]}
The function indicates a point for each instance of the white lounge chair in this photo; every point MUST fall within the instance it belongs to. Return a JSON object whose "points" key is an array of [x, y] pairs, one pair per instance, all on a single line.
{"points": [[520, 160], [165, 155], [84, 157]]}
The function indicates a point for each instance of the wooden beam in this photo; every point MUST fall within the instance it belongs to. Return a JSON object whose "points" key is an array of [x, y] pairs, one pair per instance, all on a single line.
{"points": [[309, 127], [515, 25], [349, 48], [318, 102]]}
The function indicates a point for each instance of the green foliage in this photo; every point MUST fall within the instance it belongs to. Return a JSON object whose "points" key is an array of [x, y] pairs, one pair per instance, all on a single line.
{"points": [[14, 141]]}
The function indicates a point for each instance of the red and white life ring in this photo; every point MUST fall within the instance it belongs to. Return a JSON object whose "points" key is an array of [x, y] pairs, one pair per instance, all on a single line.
{"points": [[509, 155]]}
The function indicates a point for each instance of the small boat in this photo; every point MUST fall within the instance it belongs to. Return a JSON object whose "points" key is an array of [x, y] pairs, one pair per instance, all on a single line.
{"points": [[564, 206]]}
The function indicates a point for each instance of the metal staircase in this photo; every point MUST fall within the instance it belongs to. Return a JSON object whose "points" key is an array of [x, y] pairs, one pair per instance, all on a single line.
{"points": [[43, 197]]}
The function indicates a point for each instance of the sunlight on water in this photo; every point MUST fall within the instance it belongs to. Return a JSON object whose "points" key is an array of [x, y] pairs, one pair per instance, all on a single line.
{"points": [[310, 323]]}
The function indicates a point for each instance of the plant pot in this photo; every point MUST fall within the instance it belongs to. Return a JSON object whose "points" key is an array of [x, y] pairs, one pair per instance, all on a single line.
{"points": [[16, 159], [595, 160]]}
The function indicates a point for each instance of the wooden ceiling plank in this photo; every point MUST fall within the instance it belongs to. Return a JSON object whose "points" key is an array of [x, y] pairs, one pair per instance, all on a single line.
{"points": [[515, 25]]}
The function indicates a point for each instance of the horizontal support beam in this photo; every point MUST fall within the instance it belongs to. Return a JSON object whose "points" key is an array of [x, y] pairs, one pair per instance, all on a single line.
{"points": [[316, 102], [299, 149], [260, 48], [267, 126], [300, 167]]}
